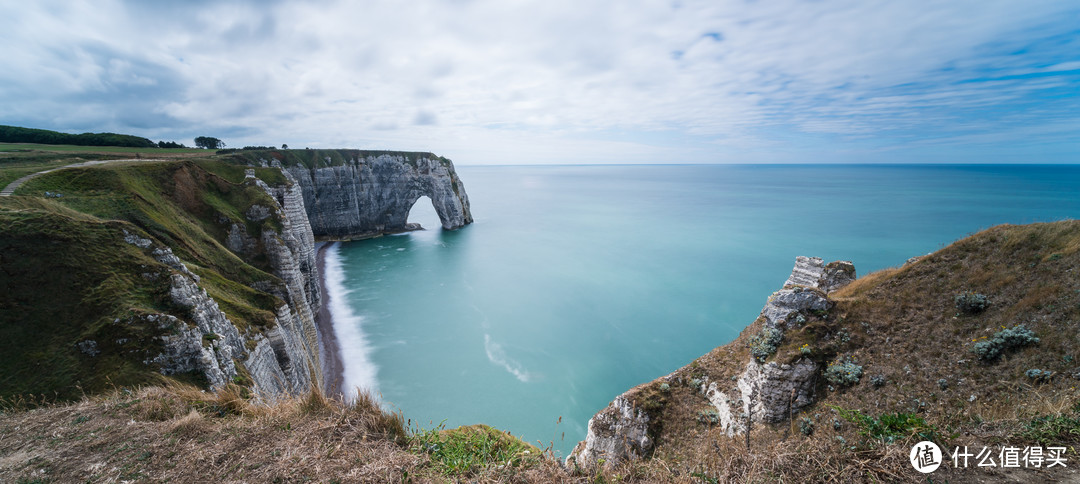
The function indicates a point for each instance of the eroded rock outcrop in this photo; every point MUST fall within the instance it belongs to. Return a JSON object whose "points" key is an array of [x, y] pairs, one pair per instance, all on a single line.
{"points": [[768, 392], [617, 433], [281, 359], [371, 194]]}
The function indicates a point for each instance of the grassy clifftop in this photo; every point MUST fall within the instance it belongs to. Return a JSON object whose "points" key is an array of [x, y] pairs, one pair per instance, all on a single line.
{"points": [[69, 276], [322, 157]]}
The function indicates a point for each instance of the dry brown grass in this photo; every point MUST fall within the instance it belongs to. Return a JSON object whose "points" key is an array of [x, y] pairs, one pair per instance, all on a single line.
{"points": [[179, 433]]}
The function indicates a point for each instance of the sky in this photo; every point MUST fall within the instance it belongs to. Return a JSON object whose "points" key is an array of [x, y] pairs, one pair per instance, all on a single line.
{"points": [[562, 81]]}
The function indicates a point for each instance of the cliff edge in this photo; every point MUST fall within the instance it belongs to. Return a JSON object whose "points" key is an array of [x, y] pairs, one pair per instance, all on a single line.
{"points": [[354, 194]]}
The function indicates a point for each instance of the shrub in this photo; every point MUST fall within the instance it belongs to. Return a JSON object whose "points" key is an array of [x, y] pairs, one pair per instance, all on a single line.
{"points": [[806, 426], [943, 384], [709, 416], [971, 302], [878, 381], [843, 372], [1039, 376], [805, 350], [765, 343], [1005, 340]]}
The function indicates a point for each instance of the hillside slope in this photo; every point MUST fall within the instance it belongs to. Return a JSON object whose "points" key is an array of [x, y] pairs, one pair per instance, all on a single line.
{"points": [[909, 352], [115, 274]]}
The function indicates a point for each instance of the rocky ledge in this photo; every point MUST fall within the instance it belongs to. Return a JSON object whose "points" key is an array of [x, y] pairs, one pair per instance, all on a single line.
{"points": [[763, 392]]}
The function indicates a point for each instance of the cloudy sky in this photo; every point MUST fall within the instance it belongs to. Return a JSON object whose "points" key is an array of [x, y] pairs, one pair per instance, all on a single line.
{"points": [[562, 81]]}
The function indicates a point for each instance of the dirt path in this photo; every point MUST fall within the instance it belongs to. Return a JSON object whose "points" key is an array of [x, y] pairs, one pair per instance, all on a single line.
{"points": [[8, 190]]}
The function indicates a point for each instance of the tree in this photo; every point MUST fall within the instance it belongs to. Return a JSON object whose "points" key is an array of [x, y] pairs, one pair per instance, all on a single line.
{"points": [[284, 146], [209, 143]]}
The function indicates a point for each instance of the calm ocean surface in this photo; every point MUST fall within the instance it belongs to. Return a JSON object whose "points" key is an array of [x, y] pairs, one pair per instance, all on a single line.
{"points": [[578, 282]]}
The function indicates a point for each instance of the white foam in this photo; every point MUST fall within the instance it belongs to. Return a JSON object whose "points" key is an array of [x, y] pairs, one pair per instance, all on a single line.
{"points": [[497, 355], [358, 370]]}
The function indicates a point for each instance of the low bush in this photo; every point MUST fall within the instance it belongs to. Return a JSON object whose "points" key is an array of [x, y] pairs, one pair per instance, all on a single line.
{"points": [[765, 343], [878, 381], [843, 372], [969, 302], [1039, 376], [1003, 341]]}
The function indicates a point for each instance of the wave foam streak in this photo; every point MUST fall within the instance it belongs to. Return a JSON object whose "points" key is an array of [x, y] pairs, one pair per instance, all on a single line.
{"points": [[358, 372], [497, 355]]}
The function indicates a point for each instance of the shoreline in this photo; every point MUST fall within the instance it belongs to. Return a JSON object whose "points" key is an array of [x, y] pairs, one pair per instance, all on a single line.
{"points": [[333, 368]]}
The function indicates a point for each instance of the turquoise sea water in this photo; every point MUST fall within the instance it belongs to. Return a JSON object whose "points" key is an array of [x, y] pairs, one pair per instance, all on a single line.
{"points": [[578, 282]]}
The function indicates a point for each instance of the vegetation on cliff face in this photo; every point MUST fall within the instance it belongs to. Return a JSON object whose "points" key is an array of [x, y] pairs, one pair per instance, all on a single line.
{"points": [[72, 283]]}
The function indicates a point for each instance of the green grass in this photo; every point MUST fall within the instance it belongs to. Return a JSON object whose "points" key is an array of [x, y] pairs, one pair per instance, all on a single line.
{"points": [[68, 277], [68, 274], [1055, 429], [98, 149], [183, 205], [13, 165], [889, 427], [468, 450]]}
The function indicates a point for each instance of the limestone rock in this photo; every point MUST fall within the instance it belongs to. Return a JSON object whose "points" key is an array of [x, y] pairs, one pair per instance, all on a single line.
{"points": [[238, 240], [784, 305], [812, 272], [372, 195], [807, 272], [616, 434], [165, 256], [257, 213], [837, 275], [769, 389], [88, 347], [211, 324]]}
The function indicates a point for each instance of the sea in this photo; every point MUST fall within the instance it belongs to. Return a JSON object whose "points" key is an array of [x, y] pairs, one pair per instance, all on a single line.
{"points": [[576, 283]]}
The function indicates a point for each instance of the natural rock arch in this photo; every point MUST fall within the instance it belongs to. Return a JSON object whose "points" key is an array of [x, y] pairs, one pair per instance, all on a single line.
{"points": [[372, 195]]}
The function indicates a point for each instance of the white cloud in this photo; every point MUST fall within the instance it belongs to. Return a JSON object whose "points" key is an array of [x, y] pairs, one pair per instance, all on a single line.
{"points": [[540, 81]]}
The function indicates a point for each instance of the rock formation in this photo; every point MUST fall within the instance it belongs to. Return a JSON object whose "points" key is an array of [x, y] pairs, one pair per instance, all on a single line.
{"points": [[368, 194], [371, 194], [763, 392], [280, 360]]}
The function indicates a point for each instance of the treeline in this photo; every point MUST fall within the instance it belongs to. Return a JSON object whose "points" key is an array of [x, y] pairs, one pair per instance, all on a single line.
{"points": [[15, 134], [251, 148]]}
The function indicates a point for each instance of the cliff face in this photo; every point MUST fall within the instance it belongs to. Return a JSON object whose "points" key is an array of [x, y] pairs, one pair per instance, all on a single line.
{"points": [[625, 429], [371, 194], [359, 196], [280, 360], [202, 269]]}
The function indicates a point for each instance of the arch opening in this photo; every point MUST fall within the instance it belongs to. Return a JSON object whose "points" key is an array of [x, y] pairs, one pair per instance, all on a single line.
{"points": [[422, 215]]}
